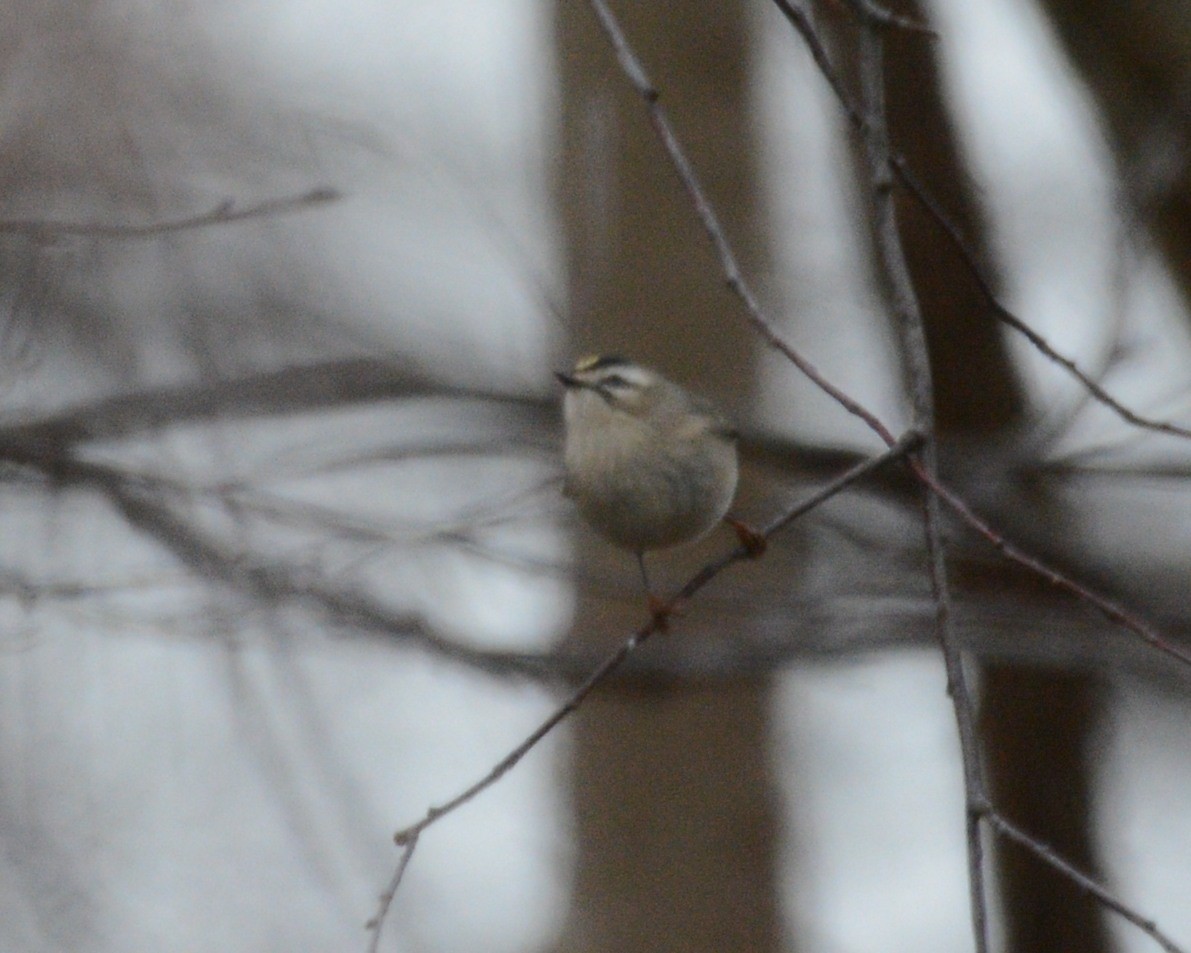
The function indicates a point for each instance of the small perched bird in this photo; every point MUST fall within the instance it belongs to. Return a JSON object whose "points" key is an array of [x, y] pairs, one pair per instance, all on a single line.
{"points": [[648, 464]]}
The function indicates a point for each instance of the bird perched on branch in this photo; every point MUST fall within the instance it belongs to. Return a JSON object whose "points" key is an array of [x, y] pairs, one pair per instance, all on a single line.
{"points": [[648, 464]]}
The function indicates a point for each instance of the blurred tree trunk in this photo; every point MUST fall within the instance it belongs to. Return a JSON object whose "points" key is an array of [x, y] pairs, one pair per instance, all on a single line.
{"points": [[674, 818], [1136, 60], [1036, 727]]}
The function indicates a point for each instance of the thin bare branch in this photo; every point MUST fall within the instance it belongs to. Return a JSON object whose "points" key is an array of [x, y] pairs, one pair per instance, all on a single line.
{"points": [[1115, 612], [635, 72], [1049, 855], [377, 922], [223, 214], [908, 319], [613, 661], [767, 329], [968, 256], [800, 20], [882, 169], [904, 446]]}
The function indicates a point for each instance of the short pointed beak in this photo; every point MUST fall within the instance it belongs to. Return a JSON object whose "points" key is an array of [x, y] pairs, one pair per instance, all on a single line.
{"points": [[566, 380]]}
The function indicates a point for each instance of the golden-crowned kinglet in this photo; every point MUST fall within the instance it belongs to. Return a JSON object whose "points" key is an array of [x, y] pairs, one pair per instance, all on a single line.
{"points": [[648, 465]]}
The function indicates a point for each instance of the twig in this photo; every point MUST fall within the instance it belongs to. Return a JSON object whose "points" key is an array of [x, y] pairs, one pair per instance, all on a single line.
{"points": [[800, 21], [882, 162], [142, 500], [976, 802], [904, 446], [734, 278], [1048, 855], [890, 256], [1112, 610], [1007, 317], [409, 835], [767, 329], [377, 922], [509, 761], [222, 214]]}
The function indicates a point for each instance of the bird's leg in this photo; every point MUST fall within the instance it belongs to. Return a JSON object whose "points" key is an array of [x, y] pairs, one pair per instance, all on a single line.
{"points": [[658, 608], [644, 572], [754, 543]]}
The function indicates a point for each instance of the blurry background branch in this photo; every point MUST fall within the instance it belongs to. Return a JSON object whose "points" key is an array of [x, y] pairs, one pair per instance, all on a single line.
{"points": [[1134, 57], [225, 213], [80, 449]]}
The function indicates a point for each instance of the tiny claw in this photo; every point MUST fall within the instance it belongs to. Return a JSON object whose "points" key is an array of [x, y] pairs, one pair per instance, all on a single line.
{"points": [[754, 543], [661, 610]]}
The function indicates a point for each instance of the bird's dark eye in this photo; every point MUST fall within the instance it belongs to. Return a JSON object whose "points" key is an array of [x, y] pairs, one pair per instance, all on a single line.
{"points": [[614, 380]]}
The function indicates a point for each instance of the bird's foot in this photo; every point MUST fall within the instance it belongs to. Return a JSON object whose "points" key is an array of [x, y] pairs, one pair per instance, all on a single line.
{"points": [[660, 610], [754, 543]]}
